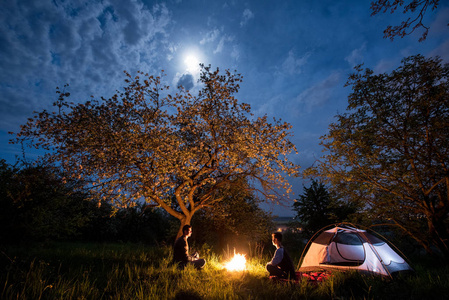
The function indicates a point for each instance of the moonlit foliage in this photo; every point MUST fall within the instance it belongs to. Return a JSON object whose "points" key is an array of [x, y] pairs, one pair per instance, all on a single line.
{"points": [[174, 151], [390, 149]]}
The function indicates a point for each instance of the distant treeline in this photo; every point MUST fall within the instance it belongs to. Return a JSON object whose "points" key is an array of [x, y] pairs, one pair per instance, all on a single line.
{"points": [[38, 205]]}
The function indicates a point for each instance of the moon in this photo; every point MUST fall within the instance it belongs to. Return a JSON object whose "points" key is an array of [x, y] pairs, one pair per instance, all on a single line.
{"points": [[192, 62]]}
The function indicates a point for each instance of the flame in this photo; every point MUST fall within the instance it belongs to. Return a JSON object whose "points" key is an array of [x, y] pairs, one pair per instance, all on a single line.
{"points": [[237, 263]]}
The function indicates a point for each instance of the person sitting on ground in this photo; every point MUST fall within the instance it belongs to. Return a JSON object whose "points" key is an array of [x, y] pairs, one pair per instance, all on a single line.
{"points": [[281, 266], [181, 251]]}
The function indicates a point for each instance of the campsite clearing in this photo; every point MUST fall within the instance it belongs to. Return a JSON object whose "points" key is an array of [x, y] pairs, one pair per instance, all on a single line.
{"points": [[135, 271]]}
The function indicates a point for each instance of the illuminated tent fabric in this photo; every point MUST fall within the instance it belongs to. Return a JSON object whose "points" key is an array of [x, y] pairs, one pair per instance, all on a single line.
{"points": [[346, 247]]}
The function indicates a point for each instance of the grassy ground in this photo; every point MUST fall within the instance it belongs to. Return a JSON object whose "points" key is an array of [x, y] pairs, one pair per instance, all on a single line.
{"points": [[129, 271]]}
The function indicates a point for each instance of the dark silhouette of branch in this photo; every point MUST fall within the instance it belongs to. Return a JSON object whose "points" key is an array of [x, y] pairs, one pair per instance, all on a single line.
{"points": [[417, 8]]}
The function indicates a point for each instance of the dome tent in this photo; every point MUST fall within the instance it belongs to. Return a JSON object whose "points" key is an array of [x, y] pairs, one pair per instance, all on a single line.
{"points": [[346, 247]]}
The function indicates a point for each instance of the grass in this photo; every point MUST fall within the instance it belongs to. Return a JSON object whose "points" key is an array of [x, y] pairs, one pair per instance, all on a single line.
{"points": [[130, 271]]}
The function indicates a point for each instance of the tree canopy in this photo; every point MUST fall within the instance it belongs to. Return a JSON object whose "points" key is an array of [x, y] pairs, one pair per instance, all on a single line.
{"points": [[391, 147], [176, 151]]}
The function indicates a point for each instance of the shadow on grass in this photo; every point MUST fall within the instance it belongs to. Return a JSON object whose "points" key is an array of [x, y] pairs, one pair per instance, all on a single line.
{"points": [[187, 295]]}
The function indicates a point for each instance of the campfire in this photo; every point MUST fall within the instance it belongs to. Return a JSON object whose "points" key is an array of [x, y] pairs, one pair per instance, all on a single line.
{"points": [[237, 263]]}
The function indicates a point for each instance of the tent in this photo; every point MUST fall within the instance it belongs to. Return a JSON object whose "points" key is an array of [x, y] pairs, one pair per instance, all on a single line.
{"points": [[346, 247]]}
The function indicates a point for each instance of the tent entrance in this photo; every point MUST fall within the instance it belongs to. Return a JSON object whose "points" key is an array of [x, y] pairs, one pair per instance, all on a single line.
{"points": [[345, 249]]}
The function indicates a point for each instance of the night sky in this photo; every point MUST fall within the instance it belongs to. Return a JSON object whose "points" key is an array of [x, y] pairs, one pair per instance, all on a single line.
{"points": [[295, 56]]}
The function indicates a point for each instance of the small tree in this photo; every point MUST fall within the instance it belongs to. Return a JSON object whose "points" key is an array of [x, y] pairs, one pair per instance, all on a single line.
{"points": [[391, 147], [317, 208], [145, 144]]}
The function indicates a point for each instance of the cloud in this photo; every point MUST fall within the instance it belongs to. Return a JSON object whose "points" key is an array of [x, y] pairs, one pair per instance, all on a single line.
{"points": [[186, 81], [247, 15], [221, 43], [442, 51], [44, 44], [171, 50], [440, 29], [440, 25], [317, 95], [356, 57], [220, 46], [385, 65], [210, 36], [14, 105], [215, 35], [235, 53], [292, 65], [269, 106]]}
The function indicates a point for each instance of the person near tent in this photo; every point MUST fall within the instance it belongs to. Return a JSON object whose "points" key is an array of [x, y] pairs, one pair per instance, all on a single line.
{"points": [[181, 251], [281, 265]]}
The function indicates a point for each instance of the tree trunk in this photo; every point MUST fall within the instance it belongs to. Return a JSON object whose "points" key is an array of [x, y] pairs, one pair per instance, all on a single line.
{"points": [[439, 232], [184, 221]]}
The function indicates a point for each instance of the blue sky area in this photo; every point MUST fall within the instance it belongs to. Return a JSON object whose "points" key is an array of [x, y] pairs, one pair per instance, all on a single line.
{"points": [[295, 56]]}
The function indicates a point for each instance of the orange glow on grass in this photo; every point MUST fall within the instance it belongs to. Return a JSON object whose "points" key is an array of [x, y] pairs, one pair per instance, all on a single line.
{"points": [[237, 263]]}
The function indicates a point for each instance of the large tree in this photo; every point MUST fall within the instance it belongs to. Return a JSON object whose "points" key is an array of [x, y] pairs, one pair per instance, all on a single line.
{"points": [[176, 151], [391, 147], [416, 10]]}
